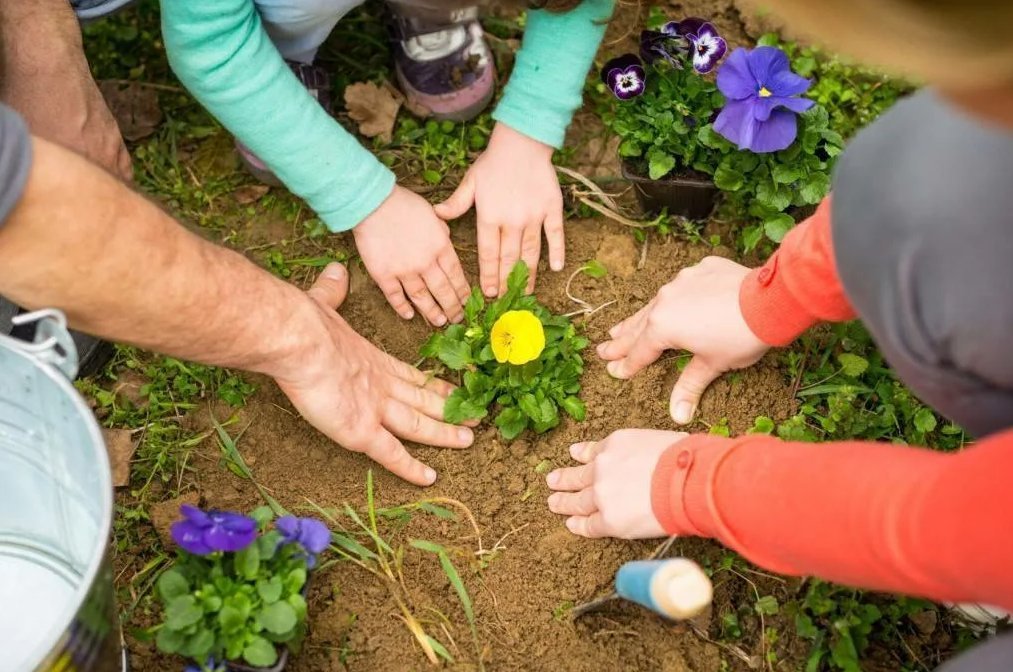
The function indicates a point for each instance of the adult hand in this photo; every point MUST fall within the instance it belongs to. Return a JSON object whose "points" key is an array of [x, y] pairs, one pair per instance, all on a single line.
{"points": [[610, 494], [698, 311], [360, 397], [47, 80], [514, 188], [407, 250]]}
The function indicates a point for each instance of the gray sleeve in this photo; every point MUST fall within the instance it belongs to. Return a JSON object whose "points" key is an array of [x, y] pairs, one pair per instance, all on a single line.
{"points": [[15, 159], [923, 239]]}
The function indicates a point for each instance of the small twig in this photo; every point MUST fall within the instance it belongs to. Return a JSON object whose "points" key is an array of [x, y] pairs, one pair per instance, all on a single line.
{"points": [[750, 661], [613, 215], [595, 189], [586, 309], [643, 254]]}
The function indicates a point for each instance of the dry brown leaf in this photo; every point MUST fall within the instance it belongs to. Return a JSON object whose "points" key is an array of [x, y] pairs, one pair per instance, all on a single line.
{"points": [[374, 108], [164, 514], [134, 106], [250, 193], [121, 446]]}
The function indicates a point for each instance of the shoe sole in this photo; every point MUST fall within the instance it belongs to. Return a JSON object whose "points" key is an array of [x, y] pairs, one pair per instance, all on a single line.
{"points": [[447, 107]]}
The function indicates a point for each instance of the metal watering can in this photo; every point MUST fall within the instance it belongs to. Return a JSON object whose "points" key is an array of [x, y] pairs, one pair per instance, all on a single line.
{"points": [[57, 612]]}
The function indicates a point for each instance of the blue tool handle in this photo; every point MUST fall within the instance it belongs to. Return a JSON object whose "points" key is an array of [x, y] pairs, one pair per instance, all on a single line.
{"points": [[675, 587]]}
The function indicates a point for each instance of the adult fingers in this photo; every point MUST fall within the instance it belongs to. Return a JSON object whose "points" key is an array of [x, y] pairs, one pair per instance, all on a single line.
{"points": [[488, 258], [571, 479], [693, 381], [331, 286], [391, 454], [531, 250], [592, 527], [459, 202], [509, 254], [415, 288], [451, 265], [573, 504], [620, 327], [419, 398], [556, 237], [443, 291], [408, 423]]}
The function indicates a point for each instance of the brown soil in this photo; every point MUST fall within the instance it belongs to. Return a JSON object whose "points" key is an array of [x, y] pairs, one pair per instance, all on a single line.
{"points": [[522, 595]]}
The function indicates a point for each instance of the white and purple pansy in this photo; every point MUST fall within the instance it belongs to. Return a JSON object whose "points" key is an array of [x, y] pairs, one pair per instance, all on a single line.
{"points": [[707, 47], [657, 45], [624, 76]]}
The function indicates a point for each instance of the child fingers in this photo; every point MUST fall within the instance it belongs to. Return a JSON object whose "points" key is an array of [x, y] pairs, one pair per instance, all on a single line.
{"points": [[419, 294], [443, 291], [627, 337], [392, 289], [556, 238], [571, 479], [531, 250], [451, 265], [408, 423], [573, 504], [488, 258]]}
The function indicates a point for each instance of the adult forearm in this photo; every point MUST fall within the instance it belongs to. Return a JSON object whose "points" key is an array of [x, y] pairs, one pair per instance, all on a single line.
{"points": [[122, 269]]}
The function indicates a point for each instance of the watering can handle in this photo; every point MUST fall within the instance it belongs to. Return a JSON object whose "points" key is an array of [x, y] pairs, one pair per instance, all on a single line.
{"points": [[53, 344]]}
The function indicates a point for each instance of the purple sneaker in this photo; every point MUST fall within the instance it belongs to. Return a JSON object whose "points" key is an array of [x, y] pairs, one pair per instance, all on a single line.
{"points": [[318, 83], [442, 61]]}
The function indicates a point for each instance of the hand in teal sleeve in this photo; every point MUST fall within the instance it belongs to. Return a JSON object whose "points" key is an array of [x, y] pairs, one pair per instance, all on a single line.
{"points": [[513, 185], [222, 54]]}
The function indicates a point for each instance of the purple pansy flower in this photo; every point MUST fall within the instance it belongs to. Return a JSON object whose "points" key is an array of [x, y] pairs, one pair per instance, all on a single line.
{"points": [[624, 76], [203, 532], [761, 108], [664, 44], [309, 533], [708, 47]]}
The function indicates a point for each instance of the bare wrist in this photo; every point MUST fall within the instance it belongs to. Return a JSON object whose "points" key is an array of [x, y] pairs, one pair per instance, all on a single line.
{"points": [[503, 134]]}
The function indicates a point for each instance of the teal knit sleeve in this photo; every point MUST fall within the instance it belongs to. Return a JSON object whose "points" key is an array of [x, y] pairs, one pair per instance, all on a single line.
{"points": [[547, 83], [221, 53]]}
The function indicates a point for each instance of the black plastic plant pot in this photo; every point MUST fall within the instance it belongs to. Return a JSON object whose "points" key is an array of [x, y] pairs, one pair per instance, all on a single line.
{"points": [[689, 197]]}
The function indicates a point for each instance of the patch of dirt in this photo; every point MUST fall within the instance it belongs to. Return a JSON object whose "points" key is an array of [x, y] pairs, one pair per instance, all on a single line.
{"points": [[522, 596]]}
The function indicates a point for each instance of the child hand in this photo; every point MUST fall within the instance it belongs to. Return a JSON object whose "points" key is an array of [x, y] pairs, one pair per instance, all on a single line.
{"points": [[407, 250], [515, 191]]}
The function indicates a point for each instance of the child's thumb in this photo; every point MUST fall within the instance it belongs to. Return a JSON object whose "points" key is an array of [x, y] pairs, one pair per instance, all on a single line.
{"points": [[459, 202]]}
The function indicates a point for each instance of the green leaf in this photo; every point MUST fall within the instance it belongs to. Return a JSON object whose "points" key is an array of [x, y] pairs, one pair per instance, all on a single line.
{"points": [[518, 278], [775, 196], [431, 346], [777, 226], [767, 605], [595, 269], [248, 562], [172, 584], [198, 645], [530, 406], [575, 407], [660, 165], [474, 305], [814, 188], [260, 652], [853, 365], [231, 619], [440, 650], [459, 408], [263, 515], [269, 589], [728, 179], [925, 421], [278, 618], [784, 173], [511, 422], [751, 236], [182, 612], [168, 640], [295, 580], [298, 604], [455, 354], [762, 425]]}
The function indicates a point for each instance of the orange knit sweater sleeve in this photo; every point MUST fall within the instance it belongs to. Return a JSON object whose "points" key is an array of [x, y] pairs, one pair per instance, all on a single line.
{"points": [[873, 515], [798, 286]]}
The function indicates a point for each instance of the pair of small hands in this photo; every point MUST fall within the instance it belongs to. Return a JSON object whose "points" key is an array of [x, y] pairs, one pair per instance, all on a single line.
{"points": [[405, 244]]}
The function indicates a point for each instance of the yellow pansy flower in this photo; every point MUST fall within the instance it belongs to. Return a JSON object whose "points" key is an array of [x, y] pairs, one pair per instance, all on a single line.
{"points": [[517, 337]]}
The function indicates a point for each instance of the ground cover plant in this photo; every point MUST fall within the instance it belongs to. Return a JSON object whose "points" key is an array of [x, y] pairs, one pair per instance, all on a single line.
{"points": [[513, 353], [832, 384]]}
